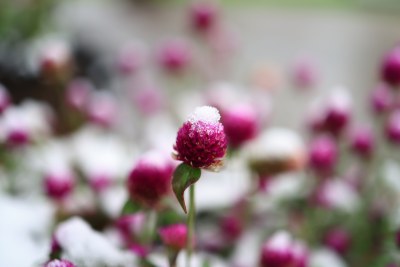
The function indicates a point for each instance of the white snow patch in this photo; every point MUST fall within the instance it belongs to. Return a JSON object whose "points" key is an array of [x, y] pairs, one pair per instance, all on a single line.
{"points": [[205, 114]]}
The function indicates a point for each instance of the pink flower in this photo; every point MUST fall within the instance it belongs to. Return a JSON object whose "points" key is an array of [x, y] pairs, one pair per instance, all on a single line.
{"points": [[305, 73], [393, 127], [175, 56], [130, 59], [362, 141], [131, 226], [203, 15], [102, 110], [381, 99], [390, 71], [78, 93], [174, 236], [201, 141], [59, 263], [58, 185], [338, 239], [240, 123], [17, 137], [282, 251], [5, 100], [150, 179], [323, 153]]}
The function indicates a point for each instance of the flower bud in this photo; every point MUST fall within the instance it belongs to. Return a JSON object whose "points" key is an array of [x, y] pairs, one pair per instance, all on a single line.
{"points": [[240, 124], [174, 236], [175, 56], [203, 15], [323, 153], [58, 185], [338, 239], [59, 263], [390, 71], [381, 99], [393, 127], [201, 141], [362, 141], [150, 179], [282, 251]]}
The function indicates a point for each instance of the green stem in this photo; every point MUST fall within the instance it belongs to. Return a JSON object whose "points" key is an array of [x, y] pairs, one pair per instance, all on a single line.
{"points": [[191, 225]]}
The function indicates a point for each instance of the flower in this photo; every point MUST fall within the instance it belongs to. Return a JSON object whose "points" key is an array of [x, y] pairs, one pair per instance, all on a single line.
{"points": [[305, 73], [102, 109], [201, 141], [323, 153], [390, 71], [240, 124], [362, 141], [338, 239], [203, 15], [174, 236], [58, 185], [59, 263], [282, 251], [175, 56], [150, 179], [5, 100], [78, 92], [381, 98], [393, 127]]}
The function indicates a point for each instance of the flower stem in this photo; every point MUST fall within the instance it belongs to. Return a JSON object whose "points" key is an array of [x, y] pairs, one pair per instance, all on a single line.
{"points": [[191, 225]]}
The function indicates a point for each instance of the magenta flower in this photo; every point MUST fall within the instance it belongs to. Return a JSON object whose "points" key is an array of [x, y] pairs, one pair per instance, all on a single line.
{"points": [[393, 127], [58, 185], [201, 141], [130, 59], [338, 239], [17, 137], [390, 71], [323, 153], [102, 110], [240, 124], [362, 141], [59, 263], [174, 236], [150, 179], [203, 15], [5, 100], [381, 98], [131, 226], [282, 251], [305, 73], [78, 92], [175, 56]]}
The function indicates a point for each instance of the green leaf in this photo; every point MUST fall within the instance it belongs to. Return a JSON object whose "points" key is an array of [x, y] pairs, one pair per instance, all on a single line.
{"points": [[130, 207], [184, 176]]}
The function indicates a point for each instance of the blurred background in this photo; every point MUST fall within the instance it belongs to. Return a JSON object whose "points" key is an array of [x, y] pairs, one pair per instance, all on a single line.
{"points": [[87, 87]]}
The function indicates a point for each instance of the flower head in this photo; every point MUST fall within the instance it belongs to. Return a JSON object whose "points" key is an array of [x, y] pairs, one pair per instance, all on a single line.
{"points": [[362, 141], [393, 127], [381, 98], [338, 239], [390, 71], [59, 185], [203, 15], [201, 141], [150, 179], [59, 263], [323, 153], [282, 251], [174, 236], [175, 56], [240, 124]]}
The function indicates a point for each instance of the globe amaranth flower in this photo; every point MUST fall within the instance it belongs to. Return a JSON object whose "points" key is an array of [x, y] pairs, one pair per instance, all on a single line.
{"points": [[282, 251], [381, 99], [201, 141], [150, 179], [174, 236], [390, 71], [362, 141], [175, 56], [203, 15], [59, 185], [59, 263], [240, 124], [323, 153], [338, 239], [393, 127]]}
